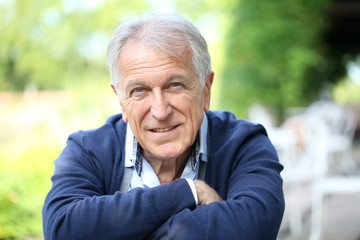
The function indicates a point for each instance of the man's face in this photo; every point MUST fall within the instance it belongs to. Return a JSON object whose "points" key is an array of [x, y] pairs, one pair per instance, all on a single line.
{"points": [[162, 99]]}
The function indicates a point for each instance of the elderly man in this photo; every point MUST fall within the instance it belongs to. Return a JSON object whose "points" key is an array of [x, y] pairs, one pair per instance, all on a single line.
{"points": [[167, 167]]}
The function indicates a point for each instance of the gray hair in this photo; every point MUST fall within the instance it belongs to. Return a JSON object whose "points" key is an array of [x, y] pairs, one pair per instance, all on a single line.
{"points": [[168, 33]]}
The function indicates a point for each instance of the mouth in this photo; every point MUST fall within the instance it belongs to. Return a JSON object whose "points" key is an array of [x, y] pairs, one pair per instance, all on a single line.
{"points": [[163, 129]]}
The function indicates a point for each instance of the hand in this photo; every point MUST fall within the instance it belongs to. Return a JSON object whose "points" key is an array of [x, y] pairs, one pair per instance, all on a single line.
{"points": [[205, 193]]}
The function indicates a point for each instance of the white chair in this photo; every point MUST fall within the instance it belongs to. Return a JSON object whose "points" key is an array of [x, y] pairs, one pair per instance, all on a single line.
{"points": [[341, 124], [327, 186], [304, 159], [334, 179], [320, 137]]}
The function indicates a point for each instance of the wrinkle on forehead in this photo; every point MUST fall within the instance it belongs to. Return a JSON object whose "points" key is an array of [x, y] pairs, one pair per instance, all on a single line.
{"points": [[147, 58], [181, 54]]}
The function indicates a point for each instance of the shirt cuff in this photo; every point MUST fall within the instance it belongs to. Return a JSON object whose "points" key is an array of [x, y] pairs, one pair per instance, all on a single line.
{"points": [[193, 190]]}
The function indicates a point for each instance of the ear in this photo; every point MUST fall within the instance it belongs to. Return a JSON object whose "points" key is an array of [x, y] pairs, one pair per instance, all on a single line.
{"points": [[207, 90], [113, 88]]}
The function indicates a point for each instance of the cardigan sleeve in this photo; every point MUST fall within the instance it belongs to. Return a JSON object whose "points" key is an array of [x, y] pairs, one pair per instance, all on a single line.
{"points": [[253, 203], [79, 205]]}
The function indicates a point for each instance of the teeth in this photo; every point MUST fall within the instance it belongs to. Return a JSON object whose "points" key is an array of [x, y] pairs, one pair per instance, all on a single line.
{"points": [[162, 129]]}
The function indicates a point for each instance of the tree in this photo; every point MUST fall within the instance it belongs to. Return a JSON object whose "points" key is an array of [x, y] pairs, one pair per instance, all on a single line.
{"points": [[275, 55], [53, 44]]}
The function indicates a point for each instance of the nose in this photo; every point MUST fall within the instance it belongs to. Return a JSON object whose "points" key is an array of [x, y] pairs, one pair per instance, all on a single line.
{"points": [[160, 105]]}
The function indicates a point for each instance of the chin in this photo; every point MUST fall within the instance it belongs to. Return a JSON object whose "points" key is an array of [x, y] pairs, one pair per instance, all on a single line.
{"points": [[167, 156]]}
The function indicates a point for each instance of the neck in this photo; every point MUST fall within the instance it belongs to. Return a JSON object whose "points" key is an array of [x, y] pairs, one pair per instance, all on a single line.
{"points": [[169, 170]]}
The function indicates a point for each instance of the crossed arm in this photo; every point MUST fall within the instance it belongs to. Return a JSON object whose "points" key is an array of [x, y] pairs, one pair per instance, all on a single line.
{"points": [[82, 204]]}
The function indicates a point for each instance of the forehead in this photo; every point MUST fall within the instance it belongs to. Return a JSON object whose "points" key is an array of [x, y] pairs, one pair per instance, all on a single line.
{"points": [[135, 51], [138, 61]]}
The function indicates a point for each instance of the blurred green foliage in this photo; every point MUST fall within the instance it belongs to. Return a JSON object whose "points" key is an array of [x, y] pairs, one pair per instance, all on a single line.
{"points": [[51, 44], [347, 92], [275, 55], [24, 172]]}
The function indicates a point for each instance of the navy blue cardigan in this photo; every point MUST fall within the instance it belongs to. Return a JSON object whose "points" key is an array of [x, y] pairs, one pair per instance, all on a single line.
{"points": [[85, 202]]}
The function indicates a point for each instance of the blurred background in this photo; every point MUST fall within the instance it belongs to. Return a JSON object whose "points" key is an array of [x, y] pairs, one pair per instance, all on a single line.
{"points": [[293, 66]]}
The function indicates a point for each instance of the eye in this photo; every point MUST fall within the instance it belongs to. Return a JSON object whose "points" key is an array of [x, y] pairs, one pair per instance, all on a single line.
{"points": [[175, 84], [137, 92]]}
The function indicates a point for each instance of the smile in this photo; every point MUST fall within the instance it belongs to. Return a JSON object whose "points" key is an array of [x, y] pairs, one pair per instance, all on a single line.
{"points": [[162, 129]]}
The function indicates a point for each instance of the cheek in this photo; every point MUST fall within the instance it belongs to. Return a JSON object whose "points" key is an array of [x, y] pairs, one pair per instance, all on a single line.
{"points": [[192, 107], [136, 112]]}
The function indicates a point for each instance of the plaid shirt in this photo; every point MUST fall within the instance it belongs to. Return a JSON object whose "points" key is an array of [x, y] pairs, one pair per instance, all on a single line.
{"points": [[145, 176]]}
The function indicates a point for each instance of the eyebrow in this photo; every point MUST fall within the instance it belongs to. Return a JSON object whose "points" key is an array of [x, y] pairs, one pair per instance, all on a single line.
{"points": [[176, 76], [139, 82], [134, 83]]}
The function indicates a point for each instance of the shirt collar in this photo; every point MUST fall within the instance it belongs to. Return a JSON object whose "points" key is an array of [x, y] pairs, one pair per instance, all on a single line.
{"points": [[204, 139], [132, 150], [133, 157]]}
